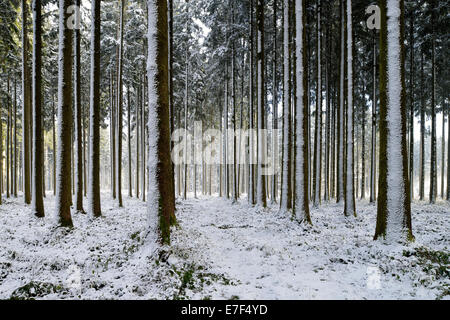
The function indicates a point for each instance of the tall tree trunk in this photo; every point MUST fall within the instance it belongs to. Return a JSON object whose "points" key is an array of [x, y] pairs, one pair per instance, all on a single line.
{"points": [[15, 141], [448, 153], [275, 106], [363, 149], [54, 144], [37, 206], [341, 120], [120, 107], [252, 151], [286, 182], [94, 115], [261, 185], [113, 138], [317, 178], [143, 141], [327, 121], [233, 102], [63, 180], [422, 130], [160, 202], [26, 107], [171, 91], [411, 107], [301, 189], [130, 183], [443, 154], [433, 164], [349, 195], [137, 128], [373, 155], [394, 203], [8, 130], [78, 127]]}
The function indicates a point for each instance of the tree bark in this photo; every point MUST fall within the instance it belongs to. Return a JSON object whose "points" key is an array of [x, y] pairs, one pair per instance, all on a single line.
{"points": [[78, 127], [94, 115], [349, 194], [261, 187], [63, 180], [160, 203], [37, 206], [26, 107], [120, 107], [394, 203]]}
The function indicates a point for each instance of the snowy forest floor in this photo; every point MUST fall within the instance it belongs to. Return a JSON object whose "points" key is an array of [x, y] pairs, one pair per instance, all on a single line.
{"points": [[221, 251]]}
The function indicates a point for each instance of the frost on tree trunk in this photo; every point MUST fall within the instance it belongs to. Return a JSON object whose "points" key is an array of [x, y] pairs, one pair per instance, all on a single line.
{"points": [[37, 206], [301, 200], [394, 203], [77, 117], [349, 181], [64, 153], [286, 201], [317, 181], [160, 206], [261, 96], [94, 115]]}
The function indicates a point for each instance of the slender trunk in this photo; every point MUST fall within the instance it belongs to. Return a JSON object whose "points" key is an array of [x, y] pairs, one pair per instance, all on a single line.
{"points": [[137, 122], [26, 107], [37, 206], [341, 120], [233, 120], [317, 181], [143, 140], [275, 107], [349, 195], [94, 115], [63, 180], [171, 91], [78, 128], [252, 162], [433, 164], [363, 149], [373, 155], [411, 107], [130, 183], [422, 130], [15, 141], [8, 129], [261, 185], [286, 187], [120, 107], [301, 185], [327, 123]]}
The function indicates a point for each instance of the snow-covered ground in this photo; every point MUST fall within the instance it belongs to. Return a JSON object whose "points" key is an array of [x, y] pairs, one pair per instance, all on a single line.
{"points": [[222, 251]]}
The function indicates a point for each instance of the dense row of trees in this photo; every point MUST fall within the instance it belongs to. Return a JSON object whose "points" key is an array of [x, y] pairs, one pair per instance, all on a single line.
{"points": [[347, 98]]}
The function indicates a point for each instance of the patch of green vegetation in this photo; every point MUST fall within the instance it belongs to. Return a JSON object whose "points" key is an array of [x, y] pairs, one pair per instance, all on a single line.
{"points": [[35, 290], [435, 263], [195, 278]]}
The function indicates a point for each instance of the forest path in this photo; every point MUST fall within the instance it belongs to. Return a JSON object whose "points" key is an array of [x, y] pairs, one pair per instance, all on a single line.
{"points": [[266, 255]]}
